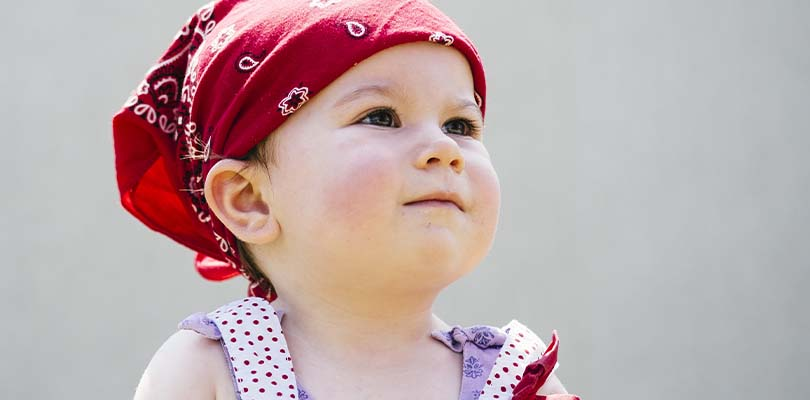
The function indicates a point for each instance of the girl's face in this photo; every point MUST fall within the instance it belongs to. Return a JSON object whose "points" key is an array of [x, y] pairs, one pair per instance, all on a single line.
{"points": [[351, 161]]}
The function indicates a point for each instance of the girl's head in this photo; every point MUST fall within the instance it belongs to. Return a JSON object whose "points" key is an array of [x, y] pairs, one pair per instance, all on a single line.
{"points": [[369, 106], [334, 207]]}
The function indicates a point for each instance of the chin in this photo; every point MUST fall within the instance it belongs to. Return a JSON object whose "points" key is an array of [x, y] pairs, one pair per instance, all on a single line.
{"points": [[439, 259]]}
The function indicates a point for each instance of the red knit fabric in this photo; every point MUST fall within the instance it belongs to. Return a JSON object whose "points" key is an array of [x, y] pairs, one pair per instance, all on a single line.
{"points": [[233, 73]]}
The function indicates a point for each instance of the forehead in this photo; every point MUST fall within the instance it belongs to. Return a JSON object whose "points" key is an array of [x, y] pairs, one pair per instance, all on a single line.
{"points": [[407, 71]]}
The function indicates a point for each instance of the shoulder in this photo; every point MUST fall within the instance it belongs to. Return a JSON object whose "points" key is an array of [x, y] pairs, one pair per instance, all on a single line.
{"points": [[187, 366], [552, 386]]}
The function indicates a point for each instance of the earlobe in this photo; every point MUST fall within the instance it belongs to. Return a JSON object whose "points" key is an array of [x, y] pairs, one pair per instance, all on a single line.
{"points": [[238, 194]]}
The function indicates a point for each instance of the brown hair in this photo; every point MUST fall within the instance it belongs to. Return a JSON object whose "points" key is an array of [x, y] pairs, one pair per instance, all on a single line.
{"points": [[261, 155]]}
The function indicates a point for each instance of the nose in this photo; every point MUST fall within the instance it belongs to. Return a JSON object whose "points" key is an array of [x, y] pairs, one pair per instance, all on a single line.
{"points": [[440, 150]]}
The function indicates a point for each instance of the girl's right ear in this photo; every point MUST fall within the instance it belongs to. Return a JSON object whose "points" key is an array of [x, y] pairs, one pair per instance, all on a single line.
{"points": [[237, 193]]}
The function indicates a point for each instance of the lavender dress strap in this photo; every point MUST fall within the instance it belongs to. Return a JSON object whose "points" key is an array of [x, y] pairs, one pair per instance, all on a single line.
{"points": [[200, 323], [480, 346]]}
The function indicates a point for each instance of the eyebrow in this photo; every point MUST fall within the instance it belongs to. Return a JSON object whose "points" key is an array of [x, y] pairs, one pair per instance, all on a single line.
{"points": [[462, 104], [372, 89], [389, 91]]}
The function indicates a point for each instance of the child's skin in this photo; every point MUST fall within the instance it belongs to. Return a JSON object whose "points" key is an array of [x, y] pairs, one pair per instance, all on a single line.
{"points": [[356, 267]]}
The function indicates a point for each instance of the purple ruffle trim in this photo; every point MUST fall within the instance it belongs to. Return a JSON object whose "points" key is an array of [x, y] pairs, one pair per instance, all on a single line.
{"points": [[200, 323], [481, 335]]}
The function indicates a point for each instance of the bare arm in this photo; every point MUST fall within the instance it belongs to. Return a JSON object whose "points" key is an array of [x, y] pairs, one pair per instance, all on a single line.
{"points": [[181, 369]]}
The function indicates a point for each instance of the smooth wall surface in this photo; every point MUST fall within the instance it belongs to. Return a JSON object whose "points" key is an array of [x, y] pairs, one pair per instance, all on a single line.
{"points": [[653, 165]]}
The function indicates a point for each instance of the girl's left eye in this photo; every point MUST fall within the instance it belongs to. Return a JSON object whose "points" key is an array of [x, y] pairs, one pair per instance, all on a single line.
{"points": [[463, 127], [387, 117]]}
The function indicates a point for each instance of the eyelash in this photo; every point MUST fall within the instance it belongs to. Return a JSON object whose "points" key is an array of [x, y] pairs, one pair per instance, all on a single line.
{"points": [[473, 128]]}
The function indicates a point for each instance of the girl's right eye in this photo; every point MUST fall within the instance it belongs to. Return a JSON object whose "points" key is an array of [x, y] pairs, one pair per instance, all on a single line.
{"points": [[381, 116]]}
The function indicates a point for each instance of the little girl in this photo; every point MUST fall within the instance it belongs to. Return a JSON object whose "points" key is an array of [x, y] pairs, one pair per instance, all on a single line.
{"points": [[330, 151]]}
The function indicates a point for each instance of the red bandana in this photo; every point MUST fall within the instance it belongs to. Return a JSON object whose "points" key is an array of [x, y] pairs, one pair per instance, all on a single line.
{"points": [[234, 72]]}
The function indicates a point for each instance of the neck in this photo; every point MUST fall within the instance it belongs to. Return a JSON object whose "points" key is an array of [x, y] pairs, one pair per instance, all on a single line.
{"points": [[345, 326]]}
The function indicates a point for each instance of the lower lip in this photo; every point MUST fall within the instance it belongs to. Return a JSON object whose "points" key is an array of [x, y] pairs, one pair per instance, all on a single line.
{"points": [[435, 203]]}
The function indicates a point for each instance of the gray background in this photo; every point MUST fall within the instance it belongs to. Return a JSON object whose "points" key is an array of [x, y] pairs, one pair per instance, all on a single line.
{"points": [[653, 161]]}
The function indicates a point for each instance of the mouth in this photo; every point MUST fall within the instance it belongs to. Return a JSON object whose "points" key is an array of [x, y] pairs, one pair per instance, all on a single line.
{"points": [[434, 203], [439, 199]]}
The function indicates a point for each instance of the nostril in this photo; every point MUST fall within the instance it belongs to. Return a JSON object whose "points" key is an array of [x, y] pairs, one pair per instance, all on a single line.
{"points": [[457, 164]]}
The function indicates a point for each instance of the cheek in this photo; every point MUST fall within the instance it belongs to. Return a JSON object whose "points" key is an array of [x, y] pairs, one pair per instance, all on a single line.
{"points": [[484, 183], [488, 196], [360, 187]]}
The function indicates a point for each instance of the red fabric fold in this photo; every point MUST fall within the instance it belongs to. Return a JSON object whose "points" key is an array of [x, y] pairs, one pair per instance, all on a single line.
{"points": [[536, 374]]}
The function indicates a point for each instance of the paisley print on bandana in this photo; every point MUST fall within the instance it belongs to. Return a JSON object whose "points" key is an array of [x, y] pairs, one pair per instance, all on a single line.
{"points": [[248, 61], [323, 3], [293, 101], [440, 37]]}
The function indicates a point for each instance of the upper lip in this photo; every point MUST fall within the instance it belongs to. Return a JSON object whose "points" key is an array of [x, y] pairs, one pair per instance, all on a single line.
{"points": [[442, 196]]}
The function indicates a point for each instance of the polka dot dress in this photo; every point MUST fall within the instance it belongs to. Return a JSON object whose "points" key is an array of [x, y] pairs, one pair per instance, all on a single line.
{"points": [[254, 345], [522, 347], [262, 368]]}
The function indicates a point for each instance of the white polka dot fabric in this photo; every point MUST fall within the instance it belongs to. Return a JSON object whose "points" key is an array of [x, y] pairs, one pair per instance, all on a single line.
{"points": [[256, 349], [262, 368], [521, 348]]}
